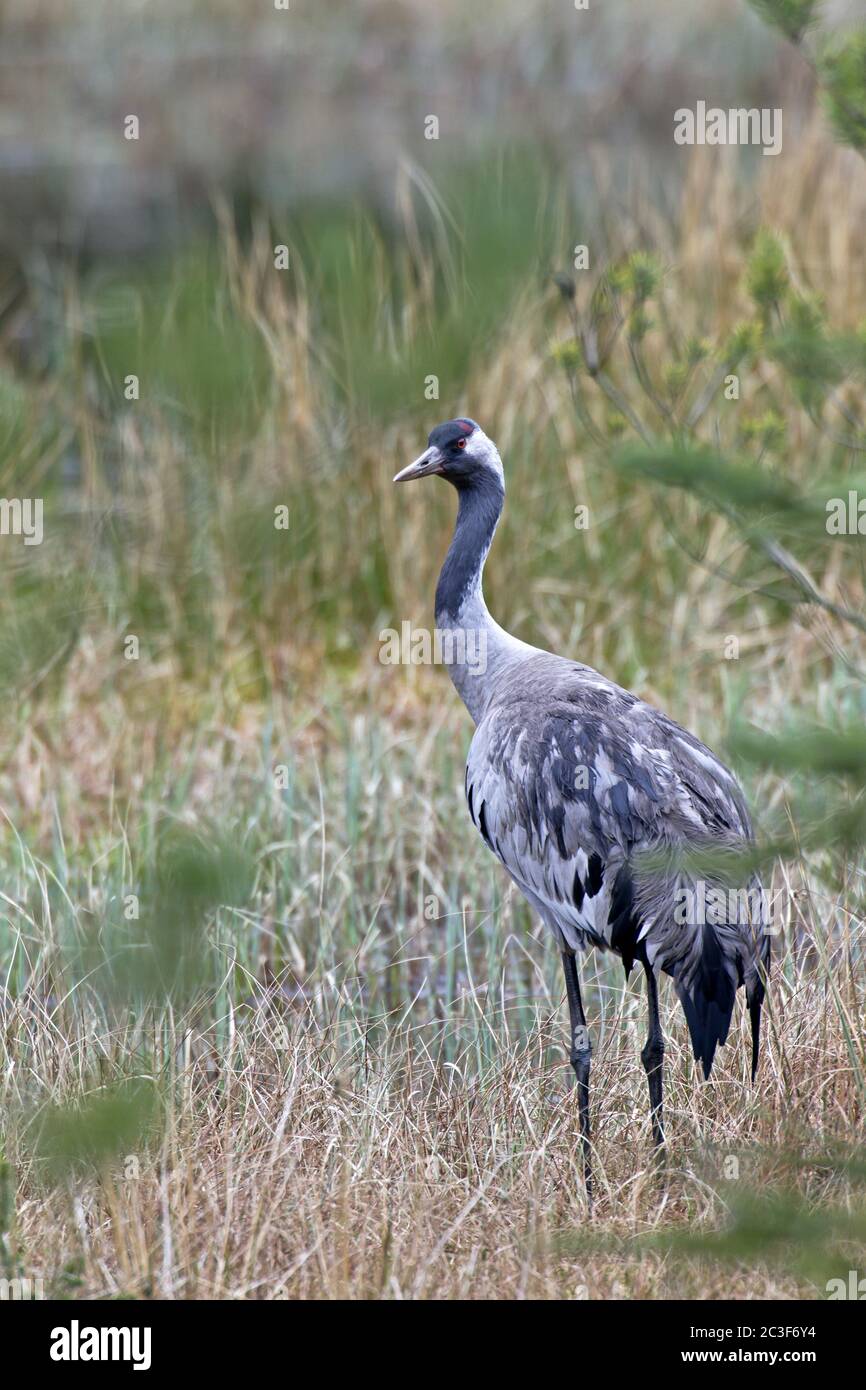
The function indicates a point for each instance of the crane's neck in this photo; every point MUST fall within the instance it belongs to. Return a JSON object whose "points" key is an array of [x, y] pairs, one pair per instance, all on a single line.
{"points": [[478, 512], [475, 649]]}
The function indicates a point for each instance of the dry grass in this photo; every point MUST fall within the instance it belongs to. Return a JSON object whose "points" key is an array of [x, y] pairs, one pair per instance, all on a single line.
{"points": [[296, 1163], [371, 1103]]}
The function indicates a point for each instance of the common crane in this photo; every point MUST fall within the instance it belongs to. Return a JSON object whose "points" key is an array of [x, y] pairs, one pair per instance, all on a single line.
{"points": [[593, 800]]}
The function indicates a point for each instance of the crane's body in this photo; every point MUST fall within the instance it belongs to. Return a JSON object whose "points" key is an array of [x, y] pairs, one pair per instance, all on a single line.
{"points": [[593, 800]]}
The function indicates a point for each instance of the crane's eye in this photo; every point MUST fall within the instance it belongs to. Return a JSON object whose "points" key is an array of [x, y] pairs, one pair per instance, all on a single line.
{"points": [[461, 444]]}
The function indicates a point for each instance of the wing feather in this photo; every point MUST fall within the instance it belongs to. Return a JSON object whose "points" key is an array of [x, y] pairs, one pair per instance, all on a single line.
{"points": [[570, 778]]}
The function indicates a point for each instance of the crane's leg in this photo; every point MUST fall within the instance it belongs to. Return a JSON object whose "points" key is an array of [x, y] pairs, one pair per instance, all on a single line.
{"points": [[581, 1053], [652, 1056]]}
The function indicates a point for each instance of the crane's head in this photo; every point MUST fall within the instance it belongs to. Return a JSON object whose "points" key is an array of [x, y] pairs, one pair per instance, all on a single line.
{"points": [[459, 451]]}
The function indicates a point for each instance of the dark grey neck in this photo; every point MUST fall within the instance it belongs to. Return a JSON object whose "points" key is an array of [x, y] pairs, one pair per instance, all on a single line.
{"points": [[478, 514]]}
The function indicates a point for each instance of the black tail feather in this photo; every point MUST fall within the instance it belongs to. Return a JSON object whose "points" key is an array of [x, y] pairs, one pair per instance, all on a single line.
{"points": [[755, 1003], [709, 1003]]}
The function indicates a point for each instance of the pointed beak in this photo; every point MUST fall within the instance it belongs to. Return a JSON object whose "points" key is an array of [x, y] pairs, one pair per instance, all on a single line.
{"points": [[429, 462]]}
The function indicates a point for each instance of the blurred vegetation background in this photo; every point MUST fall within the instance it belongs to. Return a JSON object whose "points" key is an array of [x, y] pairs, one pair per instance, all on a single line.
{"points": [[273, 1023]]}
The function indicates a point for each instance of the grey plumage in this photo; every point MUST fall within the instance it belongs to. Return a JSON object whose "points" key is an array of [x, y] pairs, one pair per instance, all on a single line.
{"points": [[571, 778], [593, 801]]}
